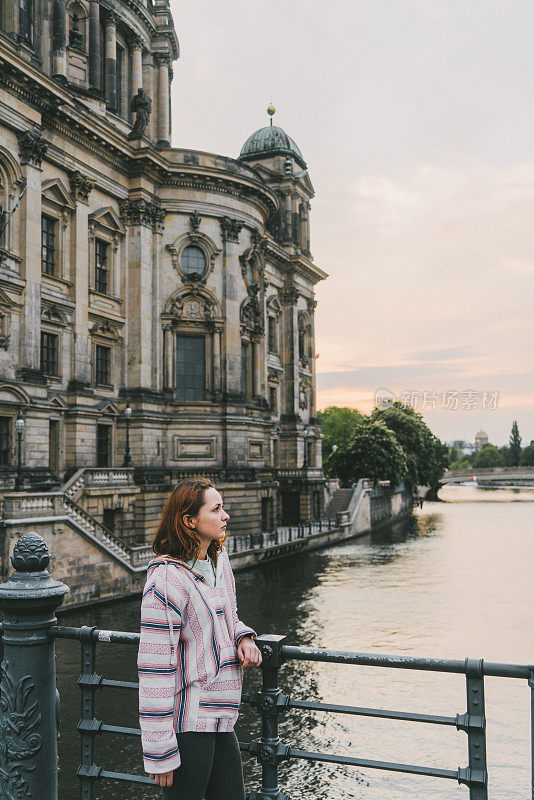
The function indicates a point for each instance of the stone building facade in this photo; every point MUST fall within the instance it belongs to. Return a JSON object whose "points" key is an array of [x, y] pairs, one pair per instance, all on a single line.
{"points": [[176, 282]]}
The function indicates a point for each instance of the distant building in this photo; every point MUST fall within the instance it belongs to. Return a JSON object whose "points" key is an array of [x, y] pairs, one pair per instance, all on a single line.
{"points": [[462, 445], [481, 439]]}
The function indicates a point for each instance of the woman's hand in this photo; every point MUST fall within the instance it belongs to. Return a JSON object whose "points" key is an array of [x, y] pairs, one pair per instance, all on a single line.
{"points": [[162, 779], [249, 654]]}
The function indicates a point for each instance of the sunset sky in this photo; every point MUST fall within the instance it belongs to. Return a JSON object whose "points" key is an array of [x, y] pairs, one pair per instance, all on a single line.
{"points": [[416, 120]]}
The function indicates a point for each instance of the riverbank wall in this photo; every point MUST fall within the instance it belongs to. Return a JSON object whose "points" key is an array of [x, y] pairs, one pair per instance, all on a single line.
{"points": [[99, 568]]}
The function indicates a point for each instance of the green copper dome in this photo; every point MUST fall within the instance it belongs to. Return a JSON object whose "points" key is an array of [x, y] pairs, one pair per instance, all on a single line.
{"points": [[270, 141]]}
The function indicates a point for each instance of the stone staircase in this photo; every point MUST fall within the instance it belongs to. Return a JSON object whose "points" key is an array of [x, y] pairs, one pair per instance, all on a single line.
{"points": [[339, 502]]}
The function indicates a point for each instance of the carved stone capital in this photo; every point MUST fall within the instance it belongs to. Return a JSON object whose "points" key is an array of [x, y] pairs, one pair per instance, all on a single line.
{"points": [[162, 60], [289, 295], [80, 186], [230, 229], [32, 147], [135, 42], [112, 18], [137, 211]]}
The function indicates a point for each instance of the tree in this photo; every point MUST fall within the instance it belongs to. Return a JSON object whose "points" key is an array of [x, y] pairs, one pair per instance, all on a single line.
{"points": [[527, 456], [337, 426], [489, 456], [426, 457], [373, 452], [515, 445]]}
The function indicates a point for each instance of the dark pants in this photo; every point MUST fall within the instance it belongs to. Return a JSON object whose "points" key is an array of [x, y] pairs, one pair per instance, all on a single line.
{"points": [[211, 768]]}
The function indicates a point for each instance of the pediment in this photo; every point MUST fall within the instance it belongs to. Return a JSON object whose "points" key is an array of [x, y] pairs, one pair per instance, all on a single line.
{"points": [[273, 304], [6, 301], [108, 218], [108, 407], [57, 402], [56, 193]]}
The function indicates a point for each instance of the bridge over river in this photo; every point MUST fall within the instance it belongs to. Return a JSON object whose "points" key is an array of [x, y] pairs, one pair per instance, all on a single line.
{"points": [[491, 477]]}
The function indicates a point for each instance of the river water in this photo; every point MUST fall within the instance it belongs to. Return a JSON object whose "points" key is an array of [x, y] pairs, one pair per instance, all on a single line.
{"points": [[453, 581]]}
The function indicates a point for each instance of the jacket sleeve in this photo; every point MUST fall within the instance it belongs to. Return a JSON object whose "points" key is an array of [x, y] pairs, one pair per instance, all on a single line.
{"points": [[157, 664], [241, 630]]}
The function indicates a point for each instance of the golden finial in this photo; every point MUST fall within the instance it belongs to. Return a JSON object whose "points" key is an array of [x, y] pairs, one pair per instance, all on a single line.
{"points": [[271, 110]]}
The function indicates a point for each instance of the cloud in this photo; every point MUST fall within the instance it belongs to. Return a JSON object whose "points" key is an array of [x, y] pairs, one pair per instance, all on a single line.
{"points": [[443, 354]]}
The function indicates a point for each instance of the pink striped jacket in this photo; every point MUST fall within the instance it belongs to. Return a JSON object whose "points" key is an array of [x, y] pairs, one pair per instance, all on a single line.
{"points": [[190, 677]]}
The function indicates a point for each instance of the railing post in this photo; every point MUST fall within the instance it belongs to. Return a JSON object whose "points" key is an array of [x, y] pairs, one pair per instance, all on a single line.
{"points": [[476, 730], [89, 681], [29, 712], [270, 750], [531, 684]]}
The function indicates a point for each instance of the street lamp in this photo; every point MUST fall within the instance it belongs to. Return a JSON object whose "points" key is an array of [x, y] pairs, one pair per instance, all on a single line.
{"points": [[19, 427], [127, 457]]}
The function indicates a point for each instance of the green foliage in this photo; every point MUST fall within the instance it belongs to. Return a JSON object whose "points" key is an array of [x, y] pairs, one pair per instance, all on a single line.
{"points": [[373, 453], [464, 464], [527, 456], [515, 445], [337, 426], [489, 456], [426, 457]]}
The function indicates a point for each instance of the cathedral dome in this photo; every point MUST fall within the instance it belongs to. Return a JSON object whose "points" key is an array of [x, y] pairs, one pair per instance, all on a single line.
{"points": [[270, 141]]}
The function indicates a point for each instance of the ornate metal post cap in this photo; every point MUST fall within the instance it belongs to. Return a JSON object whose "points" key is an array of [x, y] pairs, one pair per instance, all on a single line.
{"points": [[31, 580]]}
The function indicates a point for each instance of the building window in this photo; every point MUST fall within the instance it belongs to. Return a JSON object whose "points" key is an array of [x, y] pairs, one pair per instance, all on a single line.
{"points": [[102, 365], [272, 343], [48, 245], [193, 261], [101, 266], [118, 77], [244, 368], [49, 353], [103, 445], [190, 367], [5, 441], [273, 404]]}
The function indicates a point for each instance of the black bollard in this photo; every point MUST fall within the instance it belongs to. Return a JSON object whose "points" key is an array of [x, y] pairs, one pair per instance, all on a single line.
{"points": [[29, 705]]}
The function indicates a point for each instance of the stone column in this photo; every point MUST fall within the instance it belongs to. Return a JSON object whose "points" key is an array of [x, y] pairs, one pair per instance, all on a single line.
{"points": [[136, 46], [163, 62], [288, 222], [232, 279], [111, 60], [141, 218], [295, 219], [32, 149], [168, 350], [256, 367], [80, 375], [29, 716], [217, 364], [312, 304], [59, 41], [290, 382], [95, 50], [306, 227]]}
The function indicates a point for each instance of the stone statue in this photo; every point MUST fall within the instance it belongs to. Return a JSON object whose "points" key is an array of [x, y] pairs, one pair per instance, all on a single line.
{"points": [[142, 106]]}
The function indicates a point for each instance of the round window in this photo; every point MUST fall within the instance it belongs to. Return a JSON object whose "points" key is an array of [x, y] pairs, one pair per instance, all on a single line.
{"points": [[193, 261]]}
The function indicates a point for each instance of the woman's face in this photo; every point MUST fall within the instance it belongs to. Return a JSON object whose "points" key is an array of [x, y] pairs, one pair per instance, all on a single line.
{"points": [[211, 520]]}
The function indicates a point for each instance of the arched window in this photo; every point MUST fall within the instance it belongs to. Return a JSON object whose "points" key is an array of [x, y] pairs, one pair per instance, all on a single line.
{"points": [[193, 260]]}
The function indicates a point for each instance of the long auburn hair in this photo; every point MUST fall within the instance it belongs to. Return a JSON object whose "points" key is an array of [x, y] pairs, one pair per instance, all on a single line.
{"points": [[173, 537]]}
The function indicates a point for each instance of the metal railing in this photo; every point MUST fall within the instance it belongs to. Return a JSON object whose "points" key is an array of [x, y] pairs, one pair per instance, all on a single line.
{"points": [[29, 712], [271, 702], [265, 540]]}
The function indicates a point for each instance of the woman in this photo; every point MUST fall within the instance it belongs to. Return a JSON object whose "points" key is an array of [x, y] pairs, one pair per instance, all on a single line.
{"points": [[192, 652]]}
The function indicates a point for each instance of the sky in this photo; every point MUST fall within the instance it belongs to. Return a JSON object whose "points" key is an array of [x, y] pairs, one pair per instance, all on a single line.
{"points": [[416, 120]]}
